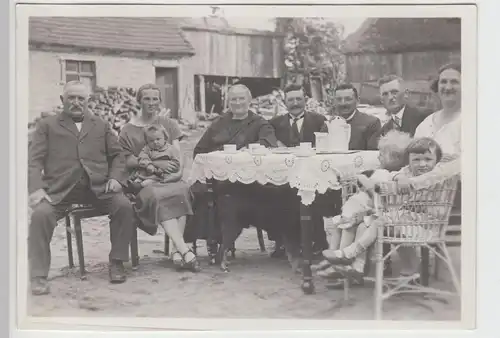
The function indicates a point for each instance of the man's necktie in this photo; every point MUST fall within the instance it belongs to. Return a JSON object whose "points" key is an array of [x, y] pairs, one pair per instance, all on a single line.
{"points": [[397, 122], [295, 131]]}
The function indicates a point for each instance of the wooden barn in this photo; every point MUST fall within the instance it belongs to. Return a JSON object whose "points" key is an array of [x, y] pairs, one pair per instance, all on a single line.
{"points": [[225, 55], [412, 48]]}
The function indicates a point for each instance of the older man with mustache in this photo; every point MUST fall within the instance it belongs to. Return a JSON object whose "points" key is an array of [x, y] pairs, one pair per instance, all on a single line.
{"points": [[74, 157], [299, 125], [394, 97]]}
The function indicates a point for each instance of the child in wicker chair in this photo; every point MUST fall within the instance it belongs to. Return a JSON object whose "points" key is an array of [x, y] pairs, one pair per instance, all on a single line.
{"points": [[157, 160], [359, 207], [422, 155]]}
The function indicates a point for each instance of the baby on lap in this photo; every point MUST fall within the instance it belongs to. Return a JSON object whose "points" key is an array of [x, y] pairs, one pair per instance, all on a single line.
{"points": [[157, 160]]}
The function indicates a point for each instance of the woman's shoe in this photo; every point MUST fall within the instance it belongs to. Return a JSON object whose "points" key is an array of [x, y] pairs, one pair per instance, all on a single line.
{"points": [[177, 260], [337, 257], [192, 265]]}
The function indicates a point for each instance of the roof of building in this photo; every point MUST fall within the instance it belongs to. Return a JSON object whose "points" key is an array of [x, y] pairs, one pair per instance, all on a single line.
{"points": [[152, 35], [221, 25], [404, 35]]}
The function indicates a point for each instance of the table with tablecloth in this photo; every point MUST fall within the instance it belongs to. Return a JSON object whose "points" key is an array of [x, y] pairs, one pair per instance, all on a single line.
{"points": [[310, 175]]}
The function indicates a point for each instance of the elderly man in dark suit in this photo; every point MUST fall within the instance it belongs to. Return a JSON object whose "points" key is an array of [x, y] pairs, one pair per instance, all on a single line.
{"points": [[74, 157], [291, 129], [394, 96], [364, 127]]}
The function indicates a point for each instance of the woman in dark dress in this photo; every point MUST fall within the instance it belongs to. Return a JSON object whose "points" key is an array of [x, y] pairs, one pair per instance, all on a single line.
{"points": [[240, 127], [165, 203]]}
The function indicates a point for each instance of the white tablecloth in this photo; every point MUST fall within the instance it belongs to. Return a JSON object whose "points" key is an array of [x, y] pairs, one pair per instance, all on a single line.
{"points": [[309, 175]]}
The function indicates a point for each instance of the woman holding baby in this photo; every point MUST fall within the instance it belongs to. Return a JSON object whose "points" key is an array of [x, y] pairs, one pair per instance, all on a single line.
{"points": [[154, 160], [435, 152]]}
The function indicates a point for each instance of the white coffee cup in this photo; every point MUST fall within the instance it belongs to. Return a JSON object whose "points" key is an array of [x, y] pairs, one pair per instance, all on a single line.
{"points": [[305, 145], [253, 146], [230, 148]]}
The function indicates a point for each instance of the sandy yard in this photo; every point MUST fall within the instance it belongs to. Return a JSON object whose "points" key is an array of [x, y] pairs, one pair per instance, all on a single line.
{"points": [[257, 286]]}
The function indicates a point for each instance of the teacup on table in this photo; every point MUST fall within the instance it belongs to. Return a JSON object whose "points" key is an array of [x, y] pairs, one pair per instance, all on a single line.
{"points": [[254, 146], [305, 149], [230, 148], [260, 150]]}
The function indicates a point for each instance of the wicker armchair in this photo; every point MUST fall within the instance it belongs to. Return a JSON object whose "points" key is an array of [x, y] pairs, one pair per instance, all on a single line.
{"points": [[419, 219]]}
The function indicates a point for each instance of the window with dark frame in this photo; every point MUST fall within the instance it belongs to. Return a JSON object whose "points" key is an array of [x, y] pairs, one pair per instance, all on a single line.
{"points": [[81, 71]]}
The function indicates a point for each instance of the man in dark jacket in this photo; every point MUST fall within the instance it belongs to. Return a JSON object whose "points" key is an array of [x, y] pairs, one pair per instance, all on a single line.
{"points": [[291, 129], [364, 127], [394, 97], [298, 125], [74, 157]]}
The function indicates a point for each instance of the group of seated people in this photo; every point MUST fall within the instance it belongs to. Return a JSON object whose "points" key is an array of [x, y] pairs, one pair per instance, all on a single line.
{"points": [[75, 158]]}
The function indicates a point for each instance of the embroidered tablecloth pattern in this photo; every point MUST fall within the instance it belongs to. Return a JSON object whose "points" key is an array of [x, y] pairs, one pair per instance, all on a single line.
{"points": [[308, 174]]}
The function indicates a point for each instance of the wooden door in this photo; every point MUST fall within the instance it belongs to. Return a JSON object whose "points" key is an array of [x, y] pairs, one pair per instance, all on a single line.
{"points": [[166, 79]]}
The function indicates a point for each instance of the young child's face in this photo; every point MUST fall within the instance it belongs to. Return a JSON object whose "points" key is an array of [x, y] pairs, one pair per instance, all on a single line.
{"points": [[156, 140], [422, 163]]}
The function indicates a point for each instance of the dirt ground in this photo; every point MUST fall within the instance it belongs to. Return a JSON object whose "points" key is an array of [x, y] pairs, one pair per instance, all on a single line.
{"points": [[257, 286]]}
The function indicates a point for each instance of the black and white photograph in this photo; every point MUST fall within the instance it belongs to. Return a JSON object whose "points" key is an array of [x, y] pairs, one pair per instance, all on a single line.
{"points": [[224, 162]]}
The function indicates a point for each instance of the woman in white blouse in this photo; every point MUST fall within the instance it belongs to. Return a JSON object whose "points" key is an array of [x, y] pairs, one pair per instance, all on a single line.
{"points": [[444, 126]]}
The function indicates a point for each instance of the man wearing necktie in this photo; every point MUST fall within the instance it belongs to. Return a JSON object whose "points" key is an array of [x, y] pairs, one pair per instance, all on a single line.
{"points": [[74, 158], [394, 97], [291, 129]]}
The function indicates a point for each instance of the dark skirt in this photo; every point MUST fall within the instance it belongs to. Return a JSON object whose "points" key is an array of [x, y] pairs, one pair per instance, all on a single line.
{"points": [[161, 202]]}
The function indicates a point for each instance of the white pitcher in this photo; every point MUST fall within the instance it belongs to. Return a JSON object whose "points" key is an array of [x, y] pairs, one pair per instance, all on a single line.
{"points": [[322, 141], [339, 134]]}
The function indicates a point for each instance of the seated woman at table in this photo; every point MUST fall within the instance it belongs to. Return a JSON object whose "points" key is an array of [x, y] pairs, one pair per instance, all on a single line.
{"points": [[422, 155], [392, 151], [167, 202], [241, 127]]}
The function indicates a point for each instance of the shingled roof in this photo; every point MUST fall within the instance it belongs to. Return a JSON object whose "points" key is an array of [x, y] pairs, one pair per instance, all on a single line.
{"points": [[161, 36], [404, 35]]}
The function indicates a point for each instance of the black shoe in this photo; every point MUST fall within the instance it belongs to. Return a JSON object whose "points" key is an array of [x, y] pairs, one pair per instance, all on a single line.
{"points": [[39, 286], [117, 272]]}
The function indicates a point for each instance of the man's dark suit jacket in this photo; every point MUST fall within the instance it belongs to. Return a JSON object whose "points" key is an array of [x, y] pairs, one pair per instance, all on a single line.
{"points": [[59, 154], [364, 131], [313, 122], [410, 121]]}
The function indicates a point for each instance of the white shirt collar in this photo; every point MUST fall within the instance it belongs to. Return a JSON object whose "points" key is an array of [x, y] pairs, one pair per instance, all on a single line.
{"points": [[301, 115], [351, 116]]}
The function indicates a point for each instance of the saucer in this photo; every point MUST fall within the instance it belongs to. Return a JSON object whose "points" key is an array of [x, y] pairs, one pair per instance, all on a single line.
{"points": [[306, 153]]}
